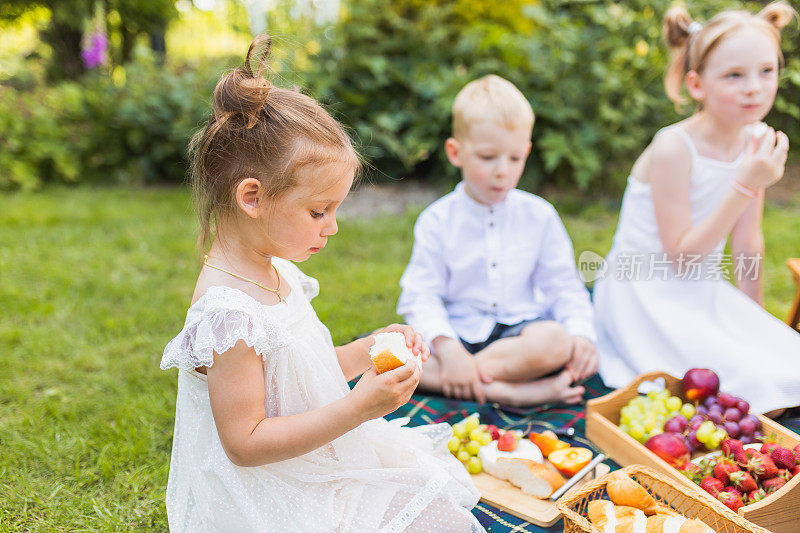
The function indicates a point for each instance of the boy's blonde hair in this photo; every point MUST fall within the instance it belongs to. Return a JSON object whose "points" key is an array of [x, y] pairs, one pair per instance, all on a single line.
{"points": [[490, 98], [690, 43]]}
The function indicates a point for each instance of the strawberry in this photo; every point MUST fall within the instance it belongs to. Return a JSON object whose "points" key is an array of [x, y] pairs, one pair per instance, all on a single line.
{"points": [[796, 451], [772, 484], [795, 470], [508, 442], [743, 481], [752, 452], [731, 500], [733, 490], [782, 457], [785, 474], [692, 471], [712, 485], [494, 430], [740, 457], [768, 446], [723, 469], [756, 495], [729, 447], [762, 467]]}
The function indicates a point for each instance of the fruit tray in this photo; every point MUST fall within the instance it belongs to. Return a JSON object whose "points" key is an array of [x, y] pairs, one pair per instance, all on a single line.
{"points": [[575, 503], [779, 512]]}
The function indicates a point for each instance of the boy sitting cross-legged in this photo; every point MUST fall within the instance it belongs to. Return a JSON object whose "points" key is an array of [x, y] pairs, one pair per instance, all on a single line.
{"points": [[481, 254]]}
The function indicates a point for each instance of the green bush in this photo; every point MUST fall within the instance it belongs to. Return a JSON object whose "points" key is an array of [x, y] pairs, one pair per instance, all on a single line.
{"points": [[390, 70], [131, 128], [593, 72]]}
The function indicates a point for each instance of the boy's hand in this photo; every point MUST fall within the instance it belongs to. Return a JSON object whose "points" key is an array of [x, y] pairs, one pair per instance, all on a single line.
{"points": [[377, 395], [583, 363], [459, 373], [413, 339]]}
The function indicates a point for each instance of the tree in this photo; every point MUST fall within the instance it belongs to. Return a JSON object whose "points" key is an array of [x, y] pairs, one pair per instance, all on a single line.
{"points": [[65, 31]]}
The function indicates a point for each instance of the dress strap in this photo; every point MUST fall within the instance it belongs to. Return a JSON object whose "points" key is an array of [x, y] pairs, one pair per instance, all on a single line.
{"points": [[689, 142]]}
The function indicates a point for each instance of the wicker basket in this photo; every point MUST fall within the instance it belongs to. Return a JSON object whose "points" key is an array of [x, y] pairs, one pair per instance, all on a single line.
{"points": [[574, 505]]}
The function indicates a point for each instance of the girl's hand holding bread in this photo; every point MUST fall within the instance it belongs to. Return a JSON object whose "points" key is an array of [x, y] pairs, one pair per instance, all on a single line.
{"points": [[376, 395], [764, 159]]}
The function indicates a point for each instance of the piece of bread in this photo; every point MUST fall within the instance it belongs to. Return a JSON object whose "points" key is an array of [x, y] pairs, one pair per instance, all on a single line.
{"points": [[661, 523], [660, 508], [616, 518], [624, 491], [389, 351], [489, 455], [602, 511], [533, 478]]}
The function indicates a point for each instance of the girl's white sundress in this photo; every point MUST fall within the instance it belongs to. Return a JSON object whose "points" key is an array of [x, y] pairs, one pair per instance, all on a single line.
{"points": [[649, 317], [377, 477]]}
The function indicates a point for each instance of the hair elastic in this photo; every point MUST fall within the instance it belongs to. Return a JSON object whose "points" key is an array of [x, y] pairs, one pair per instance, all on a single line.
{"points": [[694, 27], [744, 189]]}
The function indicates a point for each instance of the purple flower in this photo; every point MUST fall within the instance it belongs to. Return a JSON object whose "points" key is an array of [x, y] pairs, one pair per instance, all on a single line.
{"points": [[96, 53]]}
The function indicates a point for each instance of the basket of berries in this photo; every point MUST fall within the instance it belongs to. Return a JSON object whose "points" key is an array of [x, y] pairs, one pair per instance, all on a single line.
{"points": [[685, 427]]}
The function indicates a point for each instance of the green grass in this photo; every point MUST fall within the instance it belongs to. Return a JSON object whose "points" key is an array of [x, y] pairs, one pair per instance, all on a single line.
{"points": [[94, 283]]}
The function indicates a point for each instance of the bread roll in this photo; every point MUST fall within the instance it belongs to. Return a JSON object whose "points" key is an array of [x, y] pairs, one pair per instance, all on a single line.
{"points": [[616, 518], [675, 524], [389, 351], [624, 491], [533, 478]]}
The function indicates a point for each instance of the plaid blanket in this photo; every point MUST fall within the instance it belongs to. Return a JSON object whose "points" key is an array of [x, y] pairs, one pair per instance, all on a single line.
{"points": [[434, 409]]}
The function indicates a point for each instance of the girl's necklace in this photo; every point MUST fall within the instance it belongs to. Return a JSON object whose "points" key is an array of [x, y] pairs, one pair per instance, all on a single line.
{"points": [[281, 299]]}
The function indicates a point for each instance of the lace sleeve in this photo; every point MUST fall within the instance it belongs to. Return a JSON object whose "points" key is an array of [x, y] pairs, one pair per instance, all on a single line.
{"points": [[217, 330]]}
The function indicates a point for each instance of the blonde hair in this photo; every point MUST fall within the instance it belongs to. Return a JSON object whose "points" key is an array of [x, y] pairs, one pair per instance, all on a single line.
{"points": [[261, 131], [690, 44], [494, 98]]}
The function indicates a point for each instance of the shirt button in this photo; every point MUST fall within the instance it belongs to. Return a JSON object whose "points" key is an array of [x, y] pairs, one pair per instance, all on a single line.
{"points": [[494, 304], [491, 224], [494, 265]]}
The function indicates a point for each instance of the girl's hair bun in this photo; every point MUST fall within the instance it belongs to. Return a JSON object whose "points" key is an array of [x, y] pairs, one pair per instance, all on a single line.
{"points": [[778, 14], [676, 26], [244, 91]]}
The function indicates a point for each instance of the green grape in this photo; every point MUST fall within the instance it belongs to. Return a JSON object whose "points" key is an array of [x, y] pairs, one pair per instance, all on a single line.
{"points": [[474, 465], [637, 431], [463, 456], [674, 403], [471, 422], [473, 447], [453, 444], [627, 412], [625, 428], [652, 394], [656, 431], [485, 438], [460, 429], [663, 394], [705, 431], [475, 434], [688, 410], [650, 424]]}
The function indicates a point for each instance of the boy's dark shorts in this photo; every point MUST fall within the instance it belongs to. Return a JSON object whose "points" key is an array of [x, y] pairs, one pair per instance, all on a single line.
{"points": [[500, 331]]}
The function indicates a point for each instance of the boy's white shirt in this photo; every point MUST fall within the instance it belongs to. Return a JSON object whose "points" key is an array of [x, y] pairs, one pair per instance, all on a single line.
{"points": [[474, 265]]}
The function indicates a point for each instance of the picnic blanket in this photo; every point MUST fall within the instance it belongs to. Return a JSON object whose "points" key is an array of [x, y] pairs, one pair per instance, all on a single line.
{"points": [[423, 409]]}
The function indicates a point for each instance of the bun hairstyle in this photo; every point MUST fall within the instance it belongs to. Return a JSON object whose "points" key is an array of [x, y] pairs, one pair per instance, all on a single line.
{"points": [[258, 130], [690, 43]]}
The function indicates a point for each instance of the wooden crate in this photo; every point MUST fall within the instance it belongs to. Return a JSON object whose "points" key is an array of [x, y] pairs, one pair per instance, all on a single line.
{"points": [[779, 512], [575, 504]]}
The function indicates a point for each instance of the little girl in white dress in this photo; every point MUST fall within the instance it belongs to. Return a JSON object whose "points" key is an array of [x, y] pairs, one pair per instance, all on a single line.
{"points": [[663, 303], [268, 434]]}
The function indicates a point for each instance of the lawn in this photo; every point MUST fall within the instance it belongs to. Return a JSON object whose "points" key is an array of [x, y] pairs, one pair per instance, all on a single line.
{"points": [[94, 283]]}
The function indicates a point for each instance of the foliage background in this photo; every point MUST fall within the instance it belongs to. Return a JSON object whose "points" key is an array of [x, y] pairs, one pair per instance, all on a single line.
{"points": [[388, 69]]}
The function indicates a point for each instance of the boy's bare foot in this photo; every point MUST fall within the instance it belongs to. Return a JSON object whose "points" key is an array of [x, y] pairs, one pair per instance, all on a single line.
{"points": [[556, 388]]}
